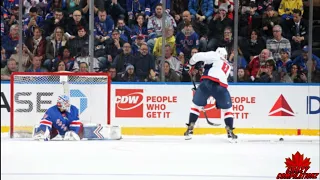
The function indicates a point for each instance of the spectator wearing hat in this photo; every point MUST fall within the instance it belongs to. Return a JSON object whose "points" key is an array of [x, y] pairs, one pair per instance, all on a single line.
{"points": [[139, 40], [298, 33], [217, 25], [277, 43], [129, 75], [201, 10], [269, 20], [301, 61], [32, 20], [228, 3], [285, 63]]}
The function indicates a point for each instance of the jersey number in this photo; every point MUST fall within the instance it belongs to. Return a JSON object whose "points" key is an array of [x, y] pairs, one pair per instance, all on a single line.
{"points": [[225, 67]]}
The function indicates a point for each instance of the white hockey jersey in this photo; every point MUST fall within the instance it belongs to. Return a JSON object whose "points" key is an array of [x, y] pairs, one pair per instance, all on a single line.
{"points": [[218, 71]]}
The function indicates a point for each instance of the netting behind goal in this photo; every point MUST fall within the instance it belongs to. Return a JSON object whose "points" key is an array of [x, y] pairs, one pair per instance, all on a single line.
{"points": [[33, 93]]}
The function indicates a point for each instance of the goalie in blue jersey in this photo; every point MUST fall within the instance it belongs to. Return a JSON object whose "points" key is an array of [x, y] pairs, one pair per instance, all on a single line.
{"points": [[62, 119]]}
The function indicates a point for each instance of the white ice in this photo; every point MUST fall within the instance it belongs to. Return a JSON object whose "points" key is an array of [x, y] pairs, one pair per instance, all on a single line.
{"points": [[153, 158]]}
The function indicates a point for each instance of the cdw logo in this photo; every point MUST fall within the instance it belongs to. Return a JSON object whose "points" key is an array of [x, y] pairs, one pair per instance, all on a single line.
{"points": [[129, 103], [211, 110]]}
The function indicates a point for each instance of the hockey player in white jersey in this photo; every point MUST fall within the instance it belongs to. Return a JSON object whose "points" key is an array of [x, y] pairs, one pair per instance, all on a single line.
{"points": [[214, 83]]}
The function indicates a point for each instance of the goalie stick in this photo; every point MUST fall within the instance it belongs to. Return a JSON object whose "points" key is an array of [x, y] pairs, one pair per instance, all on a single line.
{"points": [[204, 111]]}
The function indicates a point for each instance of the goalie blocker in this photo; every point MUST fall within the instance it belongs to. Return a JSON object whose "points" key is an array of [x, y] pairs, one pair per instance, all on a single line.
{"points": [[95, 132]]}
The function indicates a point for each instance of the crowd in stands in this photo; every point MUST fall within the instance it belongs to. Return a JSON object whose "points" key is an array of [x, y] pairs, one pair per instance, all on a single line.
{"points": [[273, 38]]}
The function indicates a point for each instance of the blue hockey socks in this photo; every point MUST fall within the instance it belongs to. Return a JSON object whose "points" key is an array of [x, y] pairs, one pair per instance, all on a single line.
{"points": [[229, 122]]}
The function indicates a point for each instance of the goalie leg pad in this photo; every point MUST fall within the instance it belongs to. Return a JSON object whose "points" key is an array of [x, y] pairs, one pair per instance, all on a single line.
{"points": [[101, 132]]}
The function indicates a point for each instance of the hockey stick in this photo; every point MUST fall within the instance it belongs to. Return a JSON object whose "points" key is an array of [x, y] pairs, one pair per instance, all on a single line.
{"points": [[204, 111]]}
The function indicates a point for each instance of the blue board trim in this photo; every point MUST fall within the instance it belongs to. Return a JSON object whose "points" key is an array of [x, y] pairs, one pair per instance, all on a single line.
{"points": [[189, 83]]}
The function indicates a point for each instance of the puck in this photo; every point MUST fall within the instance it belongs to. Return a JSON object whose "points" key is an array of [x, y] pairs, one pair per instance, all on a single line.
{"points": [[281, 139]]}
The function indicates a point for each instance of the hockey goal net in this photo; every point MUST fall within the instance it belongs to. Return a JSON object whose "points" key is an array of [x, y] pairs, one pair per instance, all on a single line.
{"points": [[33, 93]]}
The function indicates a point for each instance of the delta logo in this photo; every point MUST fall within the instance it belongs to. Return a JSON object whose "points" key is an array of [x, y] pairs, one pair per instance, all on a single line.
{"points": [[129, 103], [210, 108], [281, 108]]}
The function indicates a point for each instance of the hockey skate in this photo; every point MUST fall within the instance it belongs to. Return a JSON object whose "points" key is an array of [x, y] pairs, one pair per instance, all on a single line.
{"points": [[188, 134], [231, 136]]}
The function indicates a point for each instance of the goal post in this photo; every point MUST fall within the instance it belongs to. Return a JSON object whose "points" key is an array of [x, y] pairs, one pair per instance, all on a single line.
{"points": [[33, 93]]}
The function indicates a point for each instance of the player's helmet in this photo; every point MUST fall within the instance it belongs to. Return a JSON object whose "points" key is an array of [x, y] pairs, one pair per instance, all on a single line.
{"points": [[63, 102], [222, 51]]}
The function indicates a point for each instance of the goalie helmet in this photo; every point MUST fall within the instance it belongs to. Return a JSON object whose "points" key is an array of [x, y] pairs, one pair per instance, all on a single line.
{"points": [[223, 52], [63, 102]]}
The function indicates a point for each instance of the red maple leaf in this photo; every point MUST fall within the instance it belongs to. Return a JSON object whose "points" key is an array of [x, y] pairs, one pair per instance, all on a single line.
{"points": [[297, 161]]}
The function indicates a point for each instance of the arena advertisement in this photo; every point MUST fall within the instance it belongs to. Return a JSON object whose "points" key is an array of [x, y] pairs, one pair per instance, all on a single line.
{"points": [[168, 106]]}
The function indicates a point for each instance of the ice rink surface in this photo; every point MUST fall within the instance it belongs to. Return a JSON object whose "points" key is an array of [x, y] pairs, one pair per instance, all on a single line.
{"points": [[154, 158]]}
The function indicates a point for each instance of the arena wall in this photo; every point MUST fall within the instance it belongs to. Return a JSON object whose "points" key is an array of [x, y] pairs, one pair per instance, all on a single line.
{"points": [[163, 109]]}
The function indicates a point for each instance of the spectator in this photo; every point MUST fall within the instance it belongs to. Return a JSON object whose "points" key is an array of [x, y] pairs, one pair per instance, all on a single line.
{"points": [[285, 63], [295, 76], [60, 66], [37, 43], [64, 55], [201, 10], [123, 59], [103, 26], [9, 69], [155, 25], [259, 62], [113, 74], [139, 29], [10, 41], [298, 33], [177, 9], [227, 40], [249, 21], [124, 31], [36, 65], [57, 20], [115, 9], [151, 7], [287, 6], [226, 3], [243, 76], [199, 27], [268, 74], [269, 20], [72, 5], [3, 58], [113, 48], [174, 62], [135, 8], [140, 40], [57, 40], [81, 41], [301, 60], [277, 43], [14, 16], [33, 20], [217, 25], [52, 6], [83, 67], [186, 40], [85, 58], [170, 75], [84, 5], [128, 75], [170, 39], [26, 58], [144, 63], [253, 46], [74, 23]]}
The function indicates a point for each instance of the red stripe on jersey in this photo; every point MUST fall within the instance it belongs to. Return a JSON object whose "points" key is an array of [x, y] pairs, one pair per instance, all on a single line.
{"points": [[228, 113], [76, 122], [46, 122], [195, 109], [215, 80]]}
